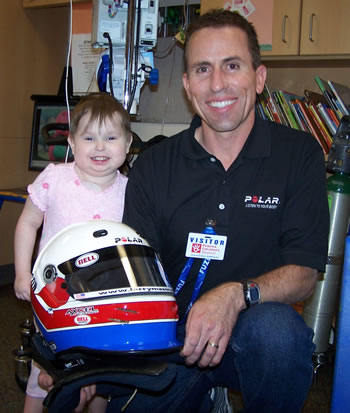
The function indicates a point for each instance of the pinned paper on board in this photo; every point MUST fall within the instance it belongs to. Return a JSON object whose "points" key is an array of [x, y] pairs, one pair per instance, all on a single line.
{"points": [[243, 7], [258, 12], [85, 58]]}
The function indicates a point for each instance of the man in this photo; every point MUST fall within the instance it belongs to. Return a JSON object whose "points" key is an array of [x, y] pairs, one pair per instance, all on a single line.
{"points": [[262, 186], [257, 189]]}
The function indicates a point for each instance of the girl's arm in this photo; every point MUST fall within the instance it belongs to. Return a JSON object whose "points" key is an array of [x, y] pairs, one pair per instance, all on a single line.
{"points": [[25, 236]]}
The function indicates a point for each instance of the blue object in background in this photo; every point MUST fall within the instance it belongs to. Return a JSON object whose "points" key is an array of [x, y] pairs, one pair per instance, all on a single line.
{"points": [[154, 77], [341, 377], [103, 72]]}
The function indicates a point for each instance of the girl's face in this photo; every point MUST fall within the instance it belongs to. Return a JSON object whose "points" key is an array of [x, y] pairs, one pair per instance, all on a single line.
{"points": [[99, 149]]}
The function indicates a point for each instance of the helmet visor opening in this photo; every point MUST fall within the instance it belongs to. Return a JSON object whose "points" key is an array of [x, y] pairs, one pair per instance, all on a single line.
{"points": [[114, 268]]}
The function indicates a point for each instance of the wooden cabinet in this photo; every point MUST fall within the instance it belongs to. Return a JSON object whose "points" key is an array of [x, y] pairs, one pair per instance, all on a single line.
{"points": [[325, 27], [305, 27], [286, 28], [48, 3]]}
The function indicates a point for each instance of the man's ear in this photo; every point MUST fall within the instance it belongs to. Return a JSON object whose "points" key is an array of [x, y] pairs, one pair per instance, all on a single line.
{"points": [[185, 84], [260, 78]]}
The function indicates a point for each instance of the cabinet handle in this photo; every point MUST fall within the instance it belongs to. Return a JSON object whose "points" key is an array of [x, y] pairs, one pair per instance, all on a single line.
{"points": [[285, 17], [311, 23]]}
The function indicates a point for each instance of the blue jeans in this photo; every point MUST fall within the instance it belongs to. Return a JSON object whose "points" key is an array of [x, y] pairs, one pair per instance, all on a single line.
{"points": [[268, 359]]}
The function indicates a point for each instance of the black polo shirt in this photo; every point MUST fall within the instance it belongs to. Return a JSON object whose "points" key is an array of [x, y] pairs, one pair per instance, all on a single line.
{"points": [[271, 203]]}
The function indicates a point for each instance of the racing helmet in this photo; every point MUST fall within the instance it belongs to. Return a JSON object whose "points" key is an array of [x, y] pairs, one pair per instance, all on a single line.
{"points": [[99, 286]]}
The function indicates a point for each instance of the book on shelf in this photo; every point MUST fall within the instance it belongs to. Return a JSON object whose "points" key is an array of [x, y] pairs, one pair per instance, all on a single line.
{"points": [[315, 113], [314, 97], [299, 117], [284, 99], [334, 117], [321, 124], [260, 110], [342, 94], [312, 124], [281, 111], [268, 101], [326, 115], [264, 109], [329, 96]]}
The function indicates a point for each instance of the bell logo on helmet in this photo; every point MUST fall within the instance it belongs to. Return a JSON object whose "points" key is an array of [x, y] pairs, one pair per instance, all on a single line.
{"points": [[86, 259], [82, 319]]}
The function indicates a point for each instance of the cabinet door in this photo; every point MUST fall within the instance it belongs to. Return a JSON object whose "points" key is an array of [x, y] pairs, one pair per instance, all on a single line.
{"points": [[286, 28], [325, 27]]}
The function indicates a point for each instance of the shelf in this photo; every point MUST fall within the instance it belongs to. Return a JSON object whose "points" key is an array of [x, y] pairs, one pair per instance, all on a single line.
{"points": [[49, 3]]}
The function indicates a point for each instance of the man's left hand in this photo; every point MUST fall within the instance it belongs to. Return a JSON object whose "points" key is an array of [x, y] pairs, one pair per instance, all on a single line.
{"points": [[210, 323]]}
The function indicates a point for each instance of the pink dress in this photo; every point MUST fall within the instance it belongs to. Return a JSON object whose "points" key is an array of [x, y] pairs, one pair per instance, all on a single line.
{"points": [[66, 200]]}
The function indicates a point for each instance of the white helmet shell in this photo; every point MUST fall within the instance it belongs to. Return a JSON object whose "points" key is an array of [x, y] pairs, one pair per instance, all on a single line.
{"points": [[99, 286]]}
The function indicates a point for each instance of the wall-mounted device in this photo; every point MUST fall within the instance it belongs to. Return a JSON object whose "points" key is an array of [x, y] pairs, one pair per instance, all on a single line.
{"points": [[129, 31], [112, 17]]}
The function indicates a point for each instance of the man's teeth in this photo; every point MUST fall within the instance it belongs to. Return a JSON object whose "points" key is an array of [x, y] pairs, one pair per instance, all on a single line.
{"points": [[99, 158], [221, 104]]}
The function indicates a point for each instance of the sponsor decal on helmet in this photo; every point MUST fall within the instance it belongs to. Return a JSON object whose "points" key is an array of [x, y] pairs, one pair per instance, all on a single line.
{"points": [[259, 201], [86, 259], [129, 240], [82, 319], [81, 311]]}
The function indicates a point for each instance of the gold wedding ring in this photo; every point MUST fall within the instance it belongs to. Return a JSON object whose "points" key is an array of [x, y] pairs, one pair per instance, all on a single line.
{"points": [[213, 344]]}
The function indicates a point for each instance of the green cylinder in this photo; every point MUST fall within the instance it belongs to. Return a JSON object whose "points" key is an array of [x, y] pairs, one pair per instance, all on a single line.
{"points": [[320, 308]]}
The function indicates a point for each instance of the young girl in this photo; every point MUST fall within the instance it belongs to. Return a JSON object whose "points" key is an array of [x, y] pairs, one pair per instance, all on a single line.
{"points": [[89, 188]]}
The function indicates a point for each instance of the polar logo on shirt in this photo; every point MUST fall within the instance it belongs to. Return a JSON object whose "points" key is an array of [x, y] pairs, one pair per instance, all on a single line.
{"points": [[258, 201]]}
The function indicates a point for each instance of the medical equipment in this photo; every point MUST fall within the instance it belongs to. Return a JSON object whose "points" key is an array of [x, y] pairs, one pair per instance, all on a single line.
{"points": [[129, 32], [321, 308]]}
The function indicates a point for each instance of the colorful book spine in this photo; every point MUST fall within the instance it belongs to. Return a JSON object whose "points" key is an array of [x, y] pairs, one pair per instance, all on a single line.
{"points": [[264, 104], [313, 126], [271, 104], [322, 127], [328, 120], [287, 110], [279, 107], [298, 116], [342, 106], [331, 100]]}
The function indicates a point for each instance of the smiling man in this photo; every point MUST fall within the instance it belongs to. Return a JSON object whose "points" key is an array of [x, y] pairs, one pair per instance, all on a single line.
{"points": [[246, 200]]}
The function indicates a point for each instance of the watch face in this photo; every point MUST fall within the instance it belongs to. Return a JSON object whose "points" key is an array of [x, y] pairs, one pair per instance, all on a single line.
{"points": [[253, 292]]}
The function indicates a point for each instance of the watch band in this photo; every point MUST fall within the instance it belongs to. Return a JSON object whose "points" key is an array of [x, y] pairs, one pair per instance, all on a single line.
{"points": [[251, 293]]}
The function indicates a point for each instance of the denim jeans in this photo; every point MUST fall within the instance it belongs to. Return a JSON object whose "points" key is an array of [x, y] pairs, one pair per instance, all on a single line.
{"points": [[268, 359]]}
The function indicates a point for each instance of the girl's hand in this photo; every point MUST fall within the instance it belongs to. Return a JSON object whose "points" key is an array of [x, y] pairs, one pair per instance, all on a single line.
{"points": [[22, 286]]}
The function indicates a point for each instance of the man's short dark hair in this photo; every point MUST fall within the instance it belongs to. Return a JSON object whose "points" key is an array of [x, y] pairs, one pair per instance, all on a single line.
{"points": [[218, 18]]}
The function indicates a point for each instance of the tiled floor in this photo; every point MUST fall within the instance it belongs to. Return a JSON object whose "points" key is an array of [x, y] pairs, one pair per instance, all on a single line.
{"points": [[13, 313]]}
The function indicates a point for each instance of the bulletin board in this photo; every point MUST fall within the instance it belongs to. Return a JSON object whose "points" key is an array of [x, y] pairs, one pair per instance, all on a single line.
{"points": [[258, 12], [84, 58]]}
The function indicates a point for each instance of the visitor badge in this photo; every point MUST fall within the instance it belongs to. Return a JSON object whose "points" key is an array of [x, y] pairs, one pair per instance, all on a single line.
{"points": [[206, 246]]}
